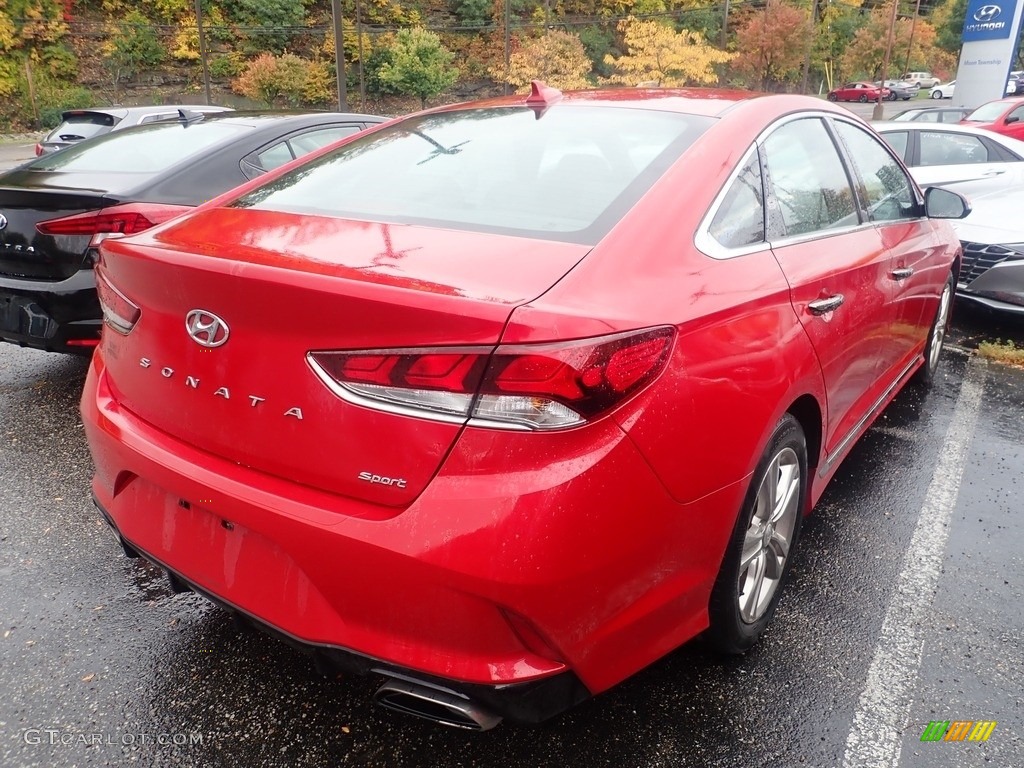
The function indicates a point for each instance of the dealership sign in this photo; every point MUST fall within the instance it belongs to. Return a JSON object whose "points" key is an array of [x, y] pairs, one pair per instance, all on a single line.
{"points": [[986, 20], [991, 30]]}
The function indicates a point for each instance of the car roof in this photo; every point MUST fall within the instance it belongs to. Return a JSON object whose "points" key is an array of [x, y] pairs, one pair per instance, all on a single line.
{"points": [[123, 112], [709, 102], [910, 125]]}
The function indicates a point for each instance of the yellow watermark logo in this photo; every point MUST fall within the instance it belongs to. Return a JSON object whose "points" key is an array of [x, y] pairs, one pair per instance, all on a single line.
{"points": [[958, 730]]}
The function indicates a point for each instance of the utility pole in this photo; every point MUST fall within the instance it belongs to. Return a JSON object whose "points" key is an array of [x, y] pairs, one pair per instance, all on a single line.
{"points": [[725, 23], [362, 77], [339, 55], [913, 26], [508, 18], [876, 113], [203, 53]]}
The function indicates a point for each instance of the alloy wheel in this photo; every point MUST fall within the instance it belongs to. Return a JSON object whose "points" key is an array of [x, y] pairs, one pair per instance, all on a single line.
{"points": [[769, 535], [939, 329]]}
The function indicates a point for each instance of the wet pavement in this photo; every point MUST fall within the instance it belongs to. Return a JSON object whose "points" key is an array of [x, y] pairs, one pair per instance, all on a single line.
{"points": [[100, 664]]}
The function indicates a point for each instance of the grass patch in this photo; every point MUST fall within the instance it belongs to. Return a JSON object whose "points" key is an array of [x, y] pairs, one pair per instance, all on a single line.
{"points": [[1006, 352]]}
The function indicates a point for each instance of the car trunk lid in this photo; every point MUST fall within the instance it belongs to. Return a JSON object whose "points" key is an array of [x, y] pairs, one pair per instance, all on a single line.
{"points": [[24, 250], [294, 284]]}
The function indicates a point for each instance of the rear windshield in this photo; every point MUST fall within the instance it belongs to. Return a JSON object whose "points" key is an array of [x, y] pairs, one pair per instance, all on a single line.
{"points": [[147, 149], [83, 126], [567, 173]]}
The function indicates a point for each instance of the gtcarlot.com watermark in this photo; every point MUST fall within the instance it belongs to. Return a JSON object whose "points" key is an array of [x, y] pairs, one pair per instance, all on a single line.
{"points": [[52, 736]]}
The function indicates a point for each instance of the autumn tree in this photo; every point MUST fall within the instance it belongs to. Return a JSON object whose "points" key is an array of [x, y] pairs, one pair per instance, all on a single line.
{"points": [[866, 52], [773, 44], [558, 58], [655, 53], [420, 65]]}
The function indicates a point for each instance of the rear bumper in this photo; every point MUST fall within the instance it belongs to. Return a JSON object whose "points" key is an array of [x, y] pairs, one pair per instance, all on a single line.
{"points": [[536, 584], [60, 316], [530, 702]]}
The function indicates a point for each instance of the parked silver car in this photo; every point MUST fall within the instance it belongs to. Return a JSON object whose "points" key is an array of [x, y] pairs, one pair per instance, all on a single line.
{"points": [[899, 89]]}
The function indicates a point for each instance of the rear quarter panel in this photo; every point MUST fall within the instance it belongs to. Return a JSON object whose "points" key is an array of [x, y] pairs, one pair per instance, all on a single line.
{"points": [[740, 356]]}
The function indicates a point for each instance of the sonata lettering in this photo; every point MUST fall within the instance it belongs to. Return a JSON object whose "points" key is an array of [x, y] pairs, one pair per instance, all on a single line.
{"points": [[192, 382]]}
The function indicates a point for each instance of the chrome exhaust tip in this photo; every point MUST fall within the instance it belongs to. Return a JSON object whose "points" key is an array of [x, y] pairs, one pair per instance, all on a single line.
{"points": [[438, 705]]}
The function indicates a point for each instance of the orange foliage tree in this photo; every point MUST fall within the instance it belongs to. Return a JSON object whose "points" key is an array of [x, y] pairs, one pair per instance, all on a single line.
{"points": [[773, 44], [866, 52]]}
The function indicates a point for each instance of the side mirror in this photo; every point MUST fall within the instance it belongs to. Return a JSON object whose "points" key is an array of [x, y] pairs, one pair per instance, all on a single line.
{"points": [[1012, 119], [941, 203]]}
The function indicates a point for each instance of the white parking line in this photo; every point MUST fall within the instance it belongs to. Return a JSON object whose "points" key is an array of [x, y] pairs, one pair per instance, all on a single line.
{"points": [[876, 736]]}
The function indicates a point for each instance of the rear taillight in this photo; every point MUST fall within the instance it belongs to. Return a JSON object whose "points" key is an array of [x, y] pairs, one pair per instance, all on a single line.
{"points": [[525, 386], [119, 312], [39, 149], [127, 219]]}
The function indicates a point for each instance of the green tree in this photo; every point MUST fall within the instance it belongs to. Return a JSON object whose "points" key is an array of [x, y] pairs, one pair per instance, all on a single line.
{"points": [[133, 47], [948, 20], [472, 13], [420, 65], [271, 23]]}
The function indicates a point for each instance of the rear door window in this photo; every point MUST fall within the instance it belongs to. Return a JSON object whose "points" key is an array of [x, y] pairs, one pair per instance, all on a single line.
{"points": [[282, 152], [884, 187], [808, 181], [939, 148]]}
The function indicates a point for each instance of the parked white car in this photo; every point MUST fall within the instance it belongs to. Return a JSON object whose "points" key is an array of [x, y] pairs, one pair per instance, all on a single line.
{"points": [[943, 91], [992, 270], [940, 154]]}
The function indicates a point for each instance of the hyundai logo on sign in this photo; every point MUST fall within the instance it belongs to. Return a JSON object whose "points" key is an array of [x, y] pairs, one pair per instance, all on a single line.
{"points": [[988, 20], [206, 329], [3, 221], [987, 13]]}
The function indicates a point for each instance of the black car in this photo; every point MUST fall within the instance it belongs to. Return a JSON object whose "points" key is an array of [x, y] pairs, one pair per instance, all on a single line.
{"points": [[56, 209]]}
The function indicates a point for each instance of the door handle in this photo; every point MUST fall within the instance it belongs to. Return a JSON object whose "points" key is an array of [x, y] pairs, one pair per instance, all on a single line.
{"points": [[902, 273], [824, 306], [993, 173]]}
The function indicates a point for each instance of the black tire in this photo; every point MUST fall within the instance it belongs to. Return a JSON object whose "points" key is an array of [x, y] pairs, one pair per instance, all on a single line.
{"points": [[925, 375], [833, 97], [863, 98], [735, 624]]}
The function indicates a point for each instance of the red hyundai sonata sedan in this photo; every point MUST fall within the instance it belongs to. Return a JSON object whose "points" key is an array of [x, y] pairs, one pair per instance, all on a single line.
{"points": [[503, 401]]}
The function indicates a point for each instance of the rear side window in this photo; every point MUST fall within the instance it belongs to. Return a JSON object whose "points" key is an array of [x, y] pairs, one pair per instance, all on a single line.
{"points": [[146, 149], [898, 140], [566, 173], [83, 126], [740, 218]]}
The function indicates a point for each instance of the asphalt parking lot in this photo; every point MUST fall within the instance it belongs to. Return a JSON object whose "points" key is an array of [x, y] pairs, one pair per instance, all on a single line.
{"points": [[903, 609]]}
